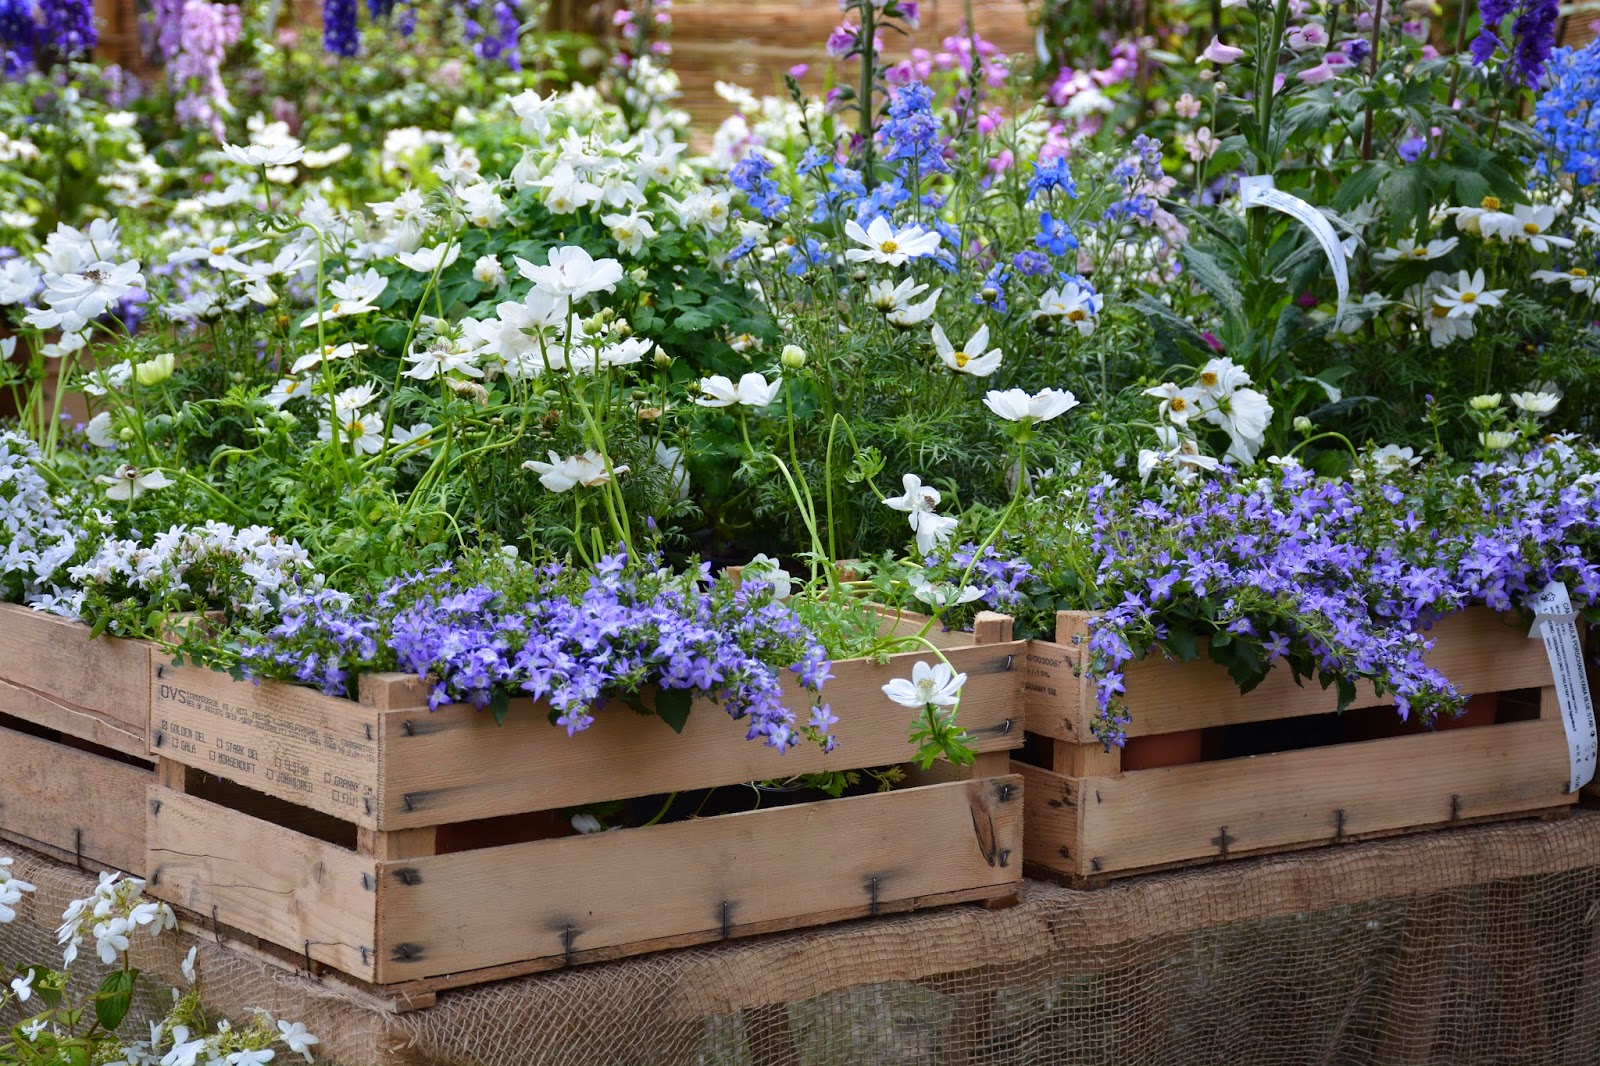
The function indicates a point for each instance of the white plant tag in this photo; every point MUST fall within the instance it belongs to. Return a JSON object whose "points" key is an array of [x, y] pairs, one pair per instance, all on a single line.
{"points": [[1556, 621], [1262, 191]]}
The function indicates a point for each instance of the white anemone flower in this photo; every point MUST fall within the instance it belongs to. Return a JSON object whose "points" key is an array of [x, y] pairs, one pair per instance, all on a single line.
{"points": [[753, 390], [937, 685], [572, 273], [970, 358], [1073, 303], [265, 155], [327, 353], [429, 260], [1014, 405], [885, 244], [129, 482], [561, 474]]}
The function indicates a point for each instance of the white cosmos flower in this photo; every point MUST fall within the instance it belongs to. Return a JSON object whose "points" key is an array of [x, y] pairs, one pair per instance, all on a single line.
{"points": [[129, 482], [1486, 220], [287, 389], [1073, 303], [885, 244], [1176, 404], [971, 357], [362, 430], [1535, 403], [74, 300], [1409, 251], [1577, 279], [416, 432], [752, 390], [918, 503], [355, 398], [428, 260], [1392, 457], [260, 292], [572, 273], [1244, 415], [887, 296], [327, 353], [1588, 223], [1531, 224], [937, 685], [1179, 450], [559, 475], [264, 155], [912, 315], [1467, 295], [1014, 405]]}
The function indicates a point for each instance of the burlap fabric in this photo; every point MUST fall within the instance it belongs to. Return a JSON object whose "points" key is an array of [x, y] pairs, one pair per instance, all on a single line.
{"points": [[1455, 948]]}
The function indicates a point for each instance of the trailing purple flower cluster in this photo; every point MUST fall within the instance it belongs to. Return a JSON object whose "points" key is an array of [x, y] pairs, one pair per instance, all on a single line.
{"points": [[570, 638], [1341, 579]]}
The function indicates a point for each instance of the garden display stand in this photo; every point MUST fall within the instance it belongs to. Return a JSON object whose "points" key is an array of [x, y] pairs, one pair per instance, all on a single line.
{"points": [[412, 849], [1089, 821], [74, 748]]}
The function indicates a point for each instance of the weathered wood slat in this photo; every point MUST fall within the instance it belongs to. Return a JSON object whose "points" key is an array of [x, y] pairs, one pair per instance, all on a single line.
{"points": [[295, 890], [1479, 650], [52, 675], [699, 880], [1155, 818], [76, 804]]}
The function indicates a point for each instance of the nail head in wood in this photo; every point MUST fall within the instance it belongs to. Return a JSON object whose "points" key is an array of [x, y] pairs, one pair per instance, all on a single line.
{"points": [[408, 875], [159, 739], [408, 728]]}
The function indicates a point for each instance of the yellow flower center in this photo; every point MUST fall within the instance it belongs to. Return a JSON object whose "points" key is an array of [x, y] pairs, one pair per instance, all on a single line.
{"points": [[1208, 379], [1468, 297], [1178, 403], [1420, 253], [1077, 314], [1530, 228], [1440, 311], [962, 359], [1491, 203], [1578, 272], [889, 247]]}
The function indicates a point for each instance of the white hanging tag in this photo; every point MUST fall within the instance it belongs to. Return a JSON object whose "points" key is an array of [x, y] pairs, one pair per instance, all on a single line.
{"points": [[1556, 621], [1262, 191]]}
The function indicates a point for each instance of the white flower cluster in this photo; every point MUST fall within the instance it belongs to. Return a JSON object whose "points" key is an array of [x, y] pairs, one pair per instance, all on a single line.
{"points": [[35, 541], [242, 570], [115, 910], [12, 889], [1218, 396]]}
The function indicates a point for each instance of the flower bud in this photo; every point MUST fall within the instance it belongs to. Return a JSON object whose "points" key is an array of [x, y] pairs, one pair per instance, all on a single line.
{"points": [[1486, 402], [793, 357], [155, 371], [1302, 424], [663, 360]]}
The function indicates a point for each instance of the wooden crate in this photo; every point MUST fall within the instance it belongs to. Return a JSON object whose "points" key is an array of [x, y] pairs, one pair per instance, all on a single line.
{"points": [[1089, 821], [407, 862], [74, 763]]}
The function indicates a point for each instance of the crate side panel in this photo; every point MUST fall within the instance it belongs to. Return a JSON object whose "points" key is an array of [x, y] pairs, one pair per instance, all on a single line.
{"points": [[53, 675], [286, 741], [699, 880], [294, 890], [80, 804], [1157, 817]]}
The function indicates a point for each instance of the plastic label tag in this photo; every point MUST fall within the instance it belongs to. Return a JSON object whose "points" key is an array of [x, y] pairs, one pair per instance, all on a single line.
{"points": [[1262, 191], [1556, 621]]}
